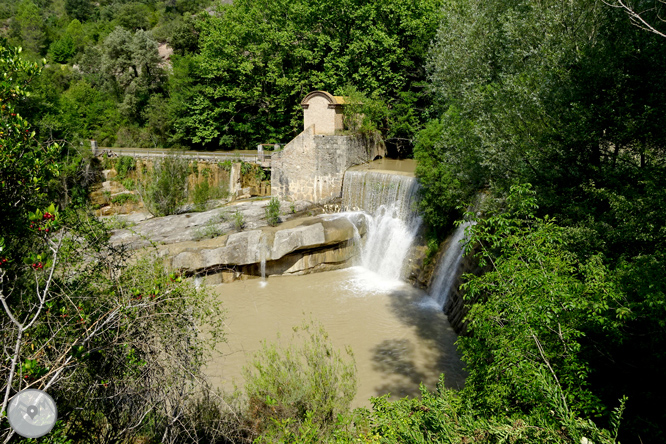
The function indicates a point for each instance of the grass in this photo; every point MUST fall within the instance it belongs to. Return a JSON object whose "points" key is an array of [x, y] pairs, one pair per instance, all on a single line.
{"points": [[116, 223], [122, 199], [211, 228]]}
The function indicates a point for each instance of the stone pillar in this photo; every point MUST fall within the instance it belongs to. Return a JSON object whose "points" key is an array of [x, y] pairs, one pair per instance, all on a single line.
{"points": [[235, 179], [260, 152], [93, 146]]}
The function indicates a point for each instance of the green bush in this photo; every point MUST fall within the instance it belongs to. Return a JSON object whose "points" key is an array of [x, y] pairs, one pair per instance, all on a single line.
{"points": [[124, 165], [225, 165], [129, 184], [432, 248], [121, 199], [260, 174], [273, 212], [448, 416], [164, 191], [201, 195], [306, 383], [239, 220], [211, 228]]}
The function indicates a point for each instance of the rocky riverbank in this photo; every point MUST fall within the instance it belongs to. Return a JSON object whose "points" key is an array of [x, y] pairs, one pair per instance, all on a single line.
{"points": [[210, 244]]}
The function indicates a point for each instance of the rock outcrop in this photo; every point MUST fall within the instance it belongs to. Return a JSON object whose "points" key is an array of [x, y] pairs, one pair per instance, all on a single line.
{"points": [[301, 245], [305, 245], [194, 226]]}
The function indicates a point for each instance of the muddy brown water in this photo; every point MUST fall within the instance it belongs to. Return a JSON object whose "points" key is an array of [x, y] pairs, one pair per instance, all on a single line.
{"points": [[405, 167], [399, 336]]}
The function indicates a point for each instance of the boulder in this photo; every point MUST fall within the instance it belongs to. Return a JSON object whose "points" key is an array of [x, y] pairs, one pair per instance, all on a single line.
{"points": [[241, 249], [289, 240], [296, 247]]}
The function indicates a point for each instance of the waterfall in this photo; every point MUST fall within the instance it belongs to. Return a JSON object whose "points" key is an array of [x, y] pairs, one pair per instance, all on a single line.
{"points": [[447, 268], [393, 223], [263, 253], [370, 190]]}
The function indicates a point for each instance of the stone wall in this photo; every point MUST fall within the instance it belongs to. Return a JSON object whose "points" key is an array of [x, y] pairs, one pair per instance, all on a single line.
{"points": [[311, 167]]}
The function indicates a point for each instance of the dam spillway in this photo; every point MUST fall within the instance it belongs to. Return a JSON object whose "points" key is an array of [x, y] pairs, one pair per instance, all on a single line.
{"points": [[388, 199]]}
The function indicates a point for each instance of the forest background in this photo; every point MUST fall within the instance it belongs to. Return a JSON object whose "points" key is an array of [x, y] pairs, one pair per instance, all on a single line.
{"points": [[553, 109]]}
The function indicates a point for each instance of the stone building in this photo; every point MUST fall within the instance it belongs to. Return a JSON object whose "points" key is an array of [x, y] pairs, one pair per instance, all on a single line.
{"points": [[312, 166], [323, 111]]}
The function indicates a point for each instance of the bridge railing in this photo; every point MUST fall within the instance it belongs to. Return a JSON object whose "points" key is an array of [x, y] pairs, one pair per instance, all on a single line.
{"points": [[251, 157]]}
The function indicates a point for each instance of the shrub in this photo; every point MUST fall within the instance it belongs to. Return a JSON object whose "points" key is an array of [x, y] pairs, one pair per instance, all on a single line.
{"points": [[260, 174], [306, 383], [225, 165], [116, 223], [211, 228], [239, 220], [273, 212], [203, 192], [164, 191], [124, 165], [121, 199], [129, 184], [201, 195]]}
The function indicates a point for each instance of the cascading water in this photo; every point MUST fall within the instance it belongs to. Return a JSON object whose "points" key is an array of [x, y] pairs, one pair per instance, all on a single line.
{"points": [[447, 268], [263, 253], [392, 224]]}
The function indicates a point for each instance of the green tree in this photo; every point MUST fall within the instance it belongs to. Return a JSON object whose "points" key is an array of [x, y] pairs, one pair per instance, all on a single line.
{"points": [[134, 16], [89, 113], [62, 50], [28, 27], [76, 32], [130, 62], [534, 307], [286, 49], [555, 94], [80, 10], [25, 165]]}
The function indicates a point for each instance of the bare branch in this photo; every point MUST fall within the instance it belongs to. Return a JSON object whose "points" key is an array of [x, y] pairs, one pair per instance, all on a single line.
{"points": [[636, 17]]}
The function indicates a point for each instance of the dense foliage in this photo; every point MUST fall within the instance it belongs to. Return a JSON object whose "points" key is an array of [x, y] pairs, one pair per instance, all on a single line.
{"points": [[236, 76], [258, 59], [76, 319], [104, 77], [568, 97]]}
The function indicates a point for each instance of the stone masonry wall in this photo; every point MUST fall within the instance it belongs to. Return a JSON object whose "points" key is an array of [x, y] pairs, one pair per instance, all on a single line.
{"points": [[311, 167]]}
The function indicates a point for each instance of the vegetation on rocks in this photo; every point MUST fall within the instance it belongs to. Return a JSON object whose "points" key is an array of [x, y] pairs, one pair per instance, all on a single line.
{"points": [[165, 190], [273, 212]]}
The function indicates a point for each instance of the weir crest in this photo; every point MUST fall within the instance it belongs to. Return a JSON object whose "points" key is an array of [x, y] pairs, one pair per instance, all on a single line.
{"points": [[388, 202]]}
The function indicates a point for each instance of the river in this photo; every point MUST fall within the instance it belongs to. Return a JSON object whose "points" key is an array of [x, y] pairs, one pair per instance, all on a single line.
{"points": [[399, 336]]}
